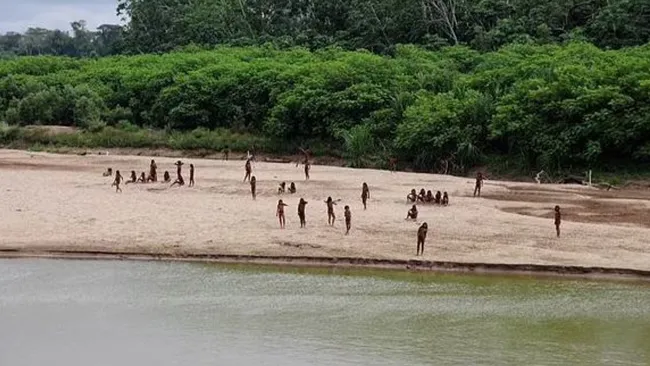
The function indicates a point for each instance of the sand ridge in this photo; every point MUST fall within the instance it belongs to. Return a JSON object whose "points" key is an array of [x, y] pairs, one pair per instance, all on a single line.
{"points": [[50, 201]]}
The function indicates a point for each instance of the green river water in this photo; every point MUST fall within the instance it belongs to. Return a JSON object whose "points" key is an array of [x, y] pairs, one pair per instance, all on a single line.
{"points": [[96, 313]]}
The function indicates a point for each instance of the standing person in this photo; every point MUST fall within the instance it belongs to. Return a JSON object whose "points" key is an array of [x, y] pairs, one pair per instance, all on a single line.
{"points": [[280, 213], [307, 167], [558, 220], [153, 175], [226, 152], [117, 181], [365, 194], [331, 217], [191, 175], [301, 212], [392, 164], [179, 177], [422, 236], [248, 169], [348, 219], [479, 184], [253, 184], [305, 156]]}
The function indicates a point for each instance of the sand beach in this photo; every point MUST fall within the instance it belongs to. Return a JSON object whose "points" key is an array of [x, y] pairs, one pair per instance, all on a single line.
{"points": [[51, 202]]}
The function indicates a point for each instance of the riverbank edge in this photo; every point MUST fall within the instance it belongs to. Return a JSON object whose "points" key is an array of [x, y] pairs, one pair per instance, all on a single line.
{"points": [[537, 270], [635, 180]]}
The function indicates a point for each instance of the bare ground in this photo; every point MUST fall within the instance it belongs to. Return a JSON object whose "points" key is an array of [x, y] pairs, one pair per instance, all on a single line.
{"points": [[61, 202]]}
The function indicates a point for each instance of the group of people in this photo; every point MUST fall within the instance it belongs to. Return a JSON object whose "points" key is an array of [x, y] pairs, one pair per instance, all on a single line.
{"points": [[152, 177], [283, 188], [425, 197], [280, 214], [331, 216], [428, 197]]}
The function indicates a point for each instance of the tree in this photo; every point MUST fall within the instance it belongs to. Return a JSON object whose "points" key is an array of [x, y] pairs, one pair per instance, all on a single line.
{"points": [[107, 40], [444, 14]]}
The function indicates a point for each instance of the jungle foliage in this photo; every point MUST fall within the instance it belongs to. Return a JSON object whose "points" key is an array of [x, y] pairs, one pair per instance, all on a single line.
{"points": [[549, 106], [375, 25], [380, 25]]}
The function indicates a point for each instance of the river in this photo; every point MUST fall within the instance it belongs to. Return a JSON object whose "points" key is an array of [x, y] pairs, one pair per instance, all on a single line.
{"points": [[79, 313]]}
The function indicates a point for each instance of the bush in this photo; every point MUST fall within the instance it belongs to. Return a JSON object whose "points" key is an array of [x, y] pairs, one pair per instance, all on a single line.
{"points": [[545, 106], [359, 146]]}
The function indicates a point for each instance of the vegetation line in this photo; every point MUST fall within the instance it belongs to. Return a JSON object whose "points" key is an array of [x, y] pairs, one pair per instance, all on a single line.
{"points": [[439, 85], [557, 108]]}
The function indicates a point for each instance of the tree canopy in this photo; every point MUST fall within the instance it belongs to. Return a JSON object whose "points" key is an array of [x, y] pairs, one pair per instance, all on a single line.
{"points": [[548, 83], [375, 25], [108, 39], [379, 25], [543, 106]]}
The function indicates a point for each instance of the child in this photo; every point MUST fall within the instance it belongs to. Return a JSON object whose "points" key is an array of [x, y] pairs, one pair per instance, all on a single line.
{"points": [[479, 184], [292, 188], [117, 181], [191, 175], [280, 213]]}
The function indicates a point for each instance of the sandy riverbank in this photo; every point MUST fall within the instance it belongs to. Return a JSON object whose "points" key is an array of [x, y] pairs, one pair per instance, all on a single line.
{"points": [[62, 203]]}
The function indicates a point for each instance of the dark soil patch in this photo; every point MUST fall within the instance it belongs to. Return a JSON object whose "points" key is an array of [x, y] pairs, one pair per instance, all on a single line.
{"points": [[599, 206], [11, 165]]}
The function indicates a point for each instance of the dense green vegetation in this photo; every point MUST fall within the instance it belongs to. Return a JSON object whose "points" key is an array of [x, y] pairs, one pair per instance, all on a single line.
{"points": [[549, 106], [530, 84], [375, 25], [125, 135], [378, 25]]}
